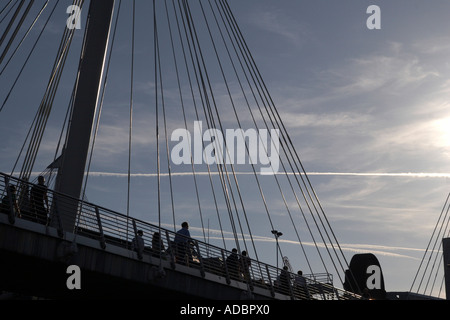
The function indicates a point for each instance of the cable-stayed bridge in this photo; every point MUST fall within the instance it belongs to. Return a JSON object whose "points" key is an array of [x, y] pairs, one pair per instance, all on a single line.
{"points": [[37, 255], [194, 67]]}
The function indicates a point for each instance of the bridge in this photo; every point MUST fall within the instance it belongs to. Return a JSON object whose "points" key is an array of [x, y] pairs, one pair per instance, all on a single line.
{"points": [[206, 53], [38, 252], [36, 256], [81, 243]]}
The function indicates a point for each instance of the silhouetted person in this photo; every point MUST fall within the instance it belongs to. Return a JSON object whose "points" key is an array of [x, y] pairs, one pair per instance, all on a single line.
{"points": [[39, 201], [6, 206], [182, 241], [284, 280], [366, 294], [300, 287], [157, 244], [232, 262]]}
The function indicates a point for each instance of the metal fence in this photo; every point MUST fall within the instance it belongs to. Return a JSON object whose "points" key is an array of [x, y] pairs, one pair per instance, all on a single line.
{"points": [[112, 228]]}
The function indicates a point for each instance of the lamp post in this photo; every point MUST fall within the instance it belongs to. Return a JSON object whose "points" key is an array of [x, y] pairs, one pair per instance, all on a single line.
{"points": [[277, 234]]}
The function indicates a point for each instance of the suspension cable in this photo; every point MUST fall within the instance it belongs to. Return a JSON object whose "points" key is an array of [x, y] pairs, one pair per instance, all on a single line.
{"points": [[28, 57], [156, 49], [46, 104], [19, 25], [5, 7], [11, 22], [24, 36], [130, 126], [163, 105], [190, 81], [226, 186], [239, 125], [310, 194], [435, 235], [250, 111]]}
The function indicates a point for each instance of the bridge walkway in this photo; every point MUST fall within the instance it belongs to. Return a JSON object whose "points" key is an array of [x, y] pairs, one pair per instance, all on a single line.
{"points": [[36, 254]]}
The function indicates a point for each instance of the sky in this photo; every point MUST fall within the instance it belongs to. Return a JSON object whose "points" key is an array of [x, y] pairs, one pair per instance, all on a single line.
{"points": [[367, 111]]}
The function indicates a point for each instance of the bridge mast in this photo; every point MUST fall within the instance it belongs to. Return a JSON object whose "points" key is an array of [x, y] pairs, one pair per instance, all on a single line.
{"points": [[446, 250], [73, 161]]}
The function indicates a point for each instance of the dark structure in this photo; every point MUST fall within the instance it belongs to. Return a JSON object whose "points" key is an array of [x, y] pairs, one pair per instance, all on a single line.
{"points": [[365, 277]]}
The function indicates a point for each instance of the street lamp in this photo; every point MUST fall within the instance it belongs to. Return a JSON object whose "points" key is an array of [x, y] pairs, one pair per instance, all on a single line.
{"points": [[277, 234]]}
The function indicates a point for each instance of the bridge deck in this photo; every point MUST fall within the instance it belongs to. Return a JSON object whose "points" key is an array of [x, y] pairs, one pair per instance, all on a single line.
{"points": [[36, 254]]}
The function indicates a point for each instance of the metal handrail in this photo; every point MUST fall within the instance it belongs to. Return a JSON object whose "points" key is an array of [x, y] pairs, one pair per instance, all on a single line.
{"points": [[112, 228]]}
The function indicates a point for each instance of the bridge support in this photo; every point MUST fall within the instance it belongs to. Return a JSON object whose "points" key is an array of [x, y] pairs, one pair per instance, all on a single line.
{"points": [[72, 168], [446, 249]]}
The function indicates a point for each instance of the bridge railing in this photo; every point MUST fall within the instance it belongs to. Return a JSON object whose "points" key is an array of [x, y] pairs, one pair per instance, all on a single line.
{"points": [[112, 228]]}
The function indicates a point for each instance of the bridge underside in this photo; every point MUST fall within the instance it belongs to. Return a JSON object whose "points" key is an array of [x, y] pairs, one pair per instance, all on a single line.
{"points": [[34, 261]]}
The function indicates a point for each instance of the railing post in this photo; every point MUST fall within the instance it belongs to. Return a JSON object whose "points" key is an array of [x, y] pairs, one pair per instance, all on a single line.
{"points": [[136, 243], [11, 215], [272, 290], [227, 274], [100, 229], [55, 213], [202, 267], [172, 254], [291, 292], [322, 291]]}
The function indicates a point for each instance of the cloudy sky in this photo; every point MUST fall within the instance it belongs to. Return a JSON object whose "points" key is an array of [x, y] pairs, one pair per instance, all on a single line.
{"points": [[367, 111]]}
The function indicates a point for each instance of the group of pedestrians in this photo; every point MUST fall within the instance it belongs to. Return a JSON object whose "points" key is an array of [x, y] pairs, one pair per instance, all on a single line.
{"points": [[181, 244], [238, 267], [286, 286], [138, 244], [35, 207]]}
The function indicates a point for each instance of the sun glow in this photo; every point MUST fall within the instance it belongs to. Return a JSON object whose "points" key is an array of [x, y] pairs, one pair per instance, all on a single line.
{"points": [[443, 128]]}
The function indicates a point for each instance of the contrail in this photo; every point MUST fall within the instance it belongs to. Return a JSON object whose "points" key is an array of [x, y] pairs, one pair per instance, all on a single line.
{"points": [[203, 173], [362, 174], [350, 247]]}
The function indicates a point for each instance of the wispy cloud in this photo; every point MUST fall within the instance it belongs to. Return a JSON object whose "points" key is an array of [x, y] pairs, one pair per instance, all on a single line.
{"points": [[285, 27], [324, 120], [383, 250], [391, 70]]}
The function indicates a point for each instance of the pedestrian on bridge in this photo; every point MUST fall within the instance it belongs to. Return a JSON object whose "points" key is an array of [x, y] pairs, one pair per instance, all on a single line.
{"points": [[182, 241], [157, 245], [39, 200], [9, 201], [233, 264]]}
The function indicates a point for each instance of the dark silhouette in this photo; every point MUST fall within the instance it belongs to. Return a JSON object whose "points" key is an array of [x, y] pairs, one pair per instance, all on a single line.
{"points": [[284, 280], [182, 241], [6, 206], [39, 201], [232, 262], [300, 286], [157, 245]]}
